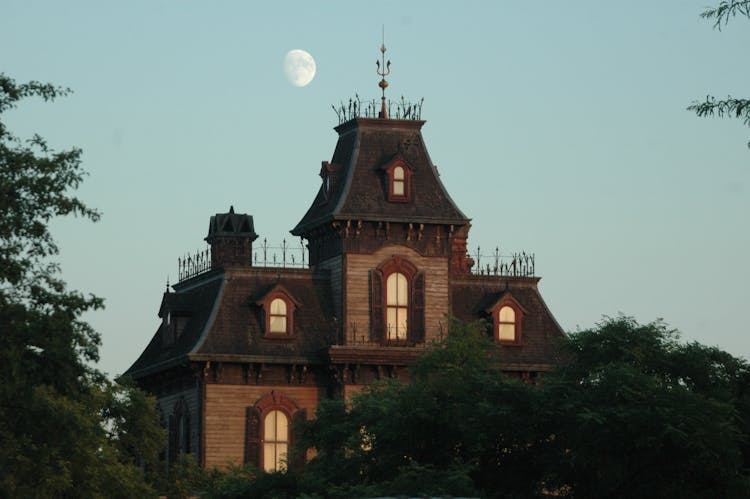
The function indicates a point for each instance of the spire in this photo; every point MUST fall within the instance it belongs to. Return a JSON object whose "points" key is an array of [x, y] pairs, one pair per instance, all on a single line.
{"points": [[383, 71]]}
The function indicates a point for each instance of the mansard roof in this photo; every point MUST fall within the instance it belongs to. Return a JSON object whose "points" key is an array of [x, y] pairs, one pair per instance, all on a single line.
{"points": [[225, 321], [196, 303], [473, 295], [359, 192]]}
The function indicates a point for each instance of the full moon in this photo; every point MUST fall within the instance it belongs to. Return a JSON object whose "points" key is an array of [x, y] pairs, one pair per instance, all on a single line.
{"points": [[299, 67]]}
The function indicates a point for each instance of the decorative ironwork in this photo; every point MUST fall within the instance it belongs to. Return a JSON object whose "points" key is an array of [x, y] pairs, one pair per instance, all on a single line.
{"points": [[383, 71], [513, 265], [192, 265], [354, 337], [404, 110], [399, 110], [284, 255]]}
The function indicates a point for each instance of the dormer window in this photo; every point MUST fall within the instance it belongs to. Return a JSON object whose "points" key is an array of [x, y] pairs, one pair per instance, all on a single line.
{"points": [[398, 175], [327, 173], [506, 324], [278, 313], [277, 321], [507, 316], [398, 181]]}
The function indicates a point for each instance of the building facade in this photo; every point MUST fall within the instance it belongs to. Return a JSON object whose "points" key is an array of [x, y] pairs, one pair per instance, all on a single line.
{"points": [[247, 346]]}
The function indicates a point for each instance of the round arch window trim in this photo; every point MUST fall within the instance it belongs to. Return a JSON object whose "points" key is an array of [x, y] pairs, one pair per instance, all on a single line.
{"points": [[497, 321], [268, 315], [397, 265]]}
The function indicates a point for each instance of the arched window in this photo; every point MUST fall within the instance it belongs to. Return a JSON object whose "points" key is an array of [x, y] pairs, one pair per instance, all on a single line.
{"points": [[397, 303], [277, 313], [398, 175], [398, 182], [277, 323], [507, 316], [275, 441], [506, 324], [272, 426], [397, 306]]}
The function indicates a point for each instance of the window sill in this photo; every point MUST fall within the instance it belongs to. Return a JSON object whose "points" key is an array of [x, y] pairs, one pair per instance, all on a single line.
{"points": [[278, 336], [398, 343]]}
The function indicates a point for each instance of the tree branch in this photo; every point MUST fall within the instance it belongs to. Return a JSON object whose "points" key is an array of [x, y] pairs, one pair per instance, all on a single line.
{"points": [[727, 108], [725, 10]]}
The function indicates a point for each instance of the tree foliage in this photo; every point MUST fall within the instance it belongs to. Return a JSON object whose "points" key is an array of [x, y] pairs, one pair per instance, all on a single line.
{"points": [[638, 414], [633, 412], [65, 430], [730, 107]]}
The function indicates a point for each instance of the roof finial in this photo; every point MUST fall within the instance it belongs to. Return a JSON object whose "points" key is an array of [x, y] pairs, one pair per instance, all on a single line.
{"points": [[383, 71]]}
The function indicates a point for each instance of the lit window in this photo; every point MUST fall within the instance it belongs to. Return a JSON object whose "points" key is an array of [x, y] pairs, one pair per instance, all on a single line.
{"points": [[277, 308], [398, 175], [506, 324], [275, 441], [398, 181], [397, 306], [278, 317]]}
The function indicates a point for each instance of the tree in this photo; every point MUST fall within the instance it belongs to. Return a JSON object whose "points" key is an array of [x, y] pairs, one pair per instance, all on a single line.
{"points": [[459, 427], [632, 412], [65, 430], [636, 413], [730, 107]]}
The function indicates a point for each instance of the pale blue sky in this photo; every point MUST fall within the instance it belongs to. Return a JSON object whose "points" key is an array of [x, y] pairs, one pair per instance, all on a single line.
{"points": [[559, 128]]}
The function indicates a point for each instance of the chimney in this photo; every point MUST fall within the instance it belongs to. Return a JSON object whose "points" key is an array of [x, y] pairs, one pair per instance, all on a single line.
{"points": [[231, 237]]}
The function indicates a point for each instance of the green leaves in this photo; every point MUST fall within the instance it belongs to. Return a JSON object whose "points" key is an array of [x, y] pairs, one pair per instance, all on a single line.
{"points": [[726, 10], [631, 413], [65, 430], [730, 107], [727, 108]]}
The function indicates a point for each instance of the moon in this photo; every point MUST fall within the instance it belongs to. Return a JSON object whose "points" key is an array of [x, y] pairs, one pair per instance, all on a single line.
{"points": [[299, 67]]}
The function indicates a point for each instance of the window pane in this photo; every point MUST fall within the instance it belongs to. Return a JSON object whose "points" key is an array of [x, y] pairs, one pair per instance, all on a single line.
{"points": [[396, 289], [281, 450], [278, 324], [278, 307], [398, 173], [402, 295], [401, 321], [269, 457], [397, 322], [391, 322], [398, 187], [507, 332], [507, 314], [269, 426], [282, 427]]}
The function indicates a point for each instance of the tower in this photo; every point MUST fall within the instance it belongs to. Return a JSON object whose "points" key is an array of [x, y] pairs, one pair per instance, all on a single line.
{"points": [[248, 344]]}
